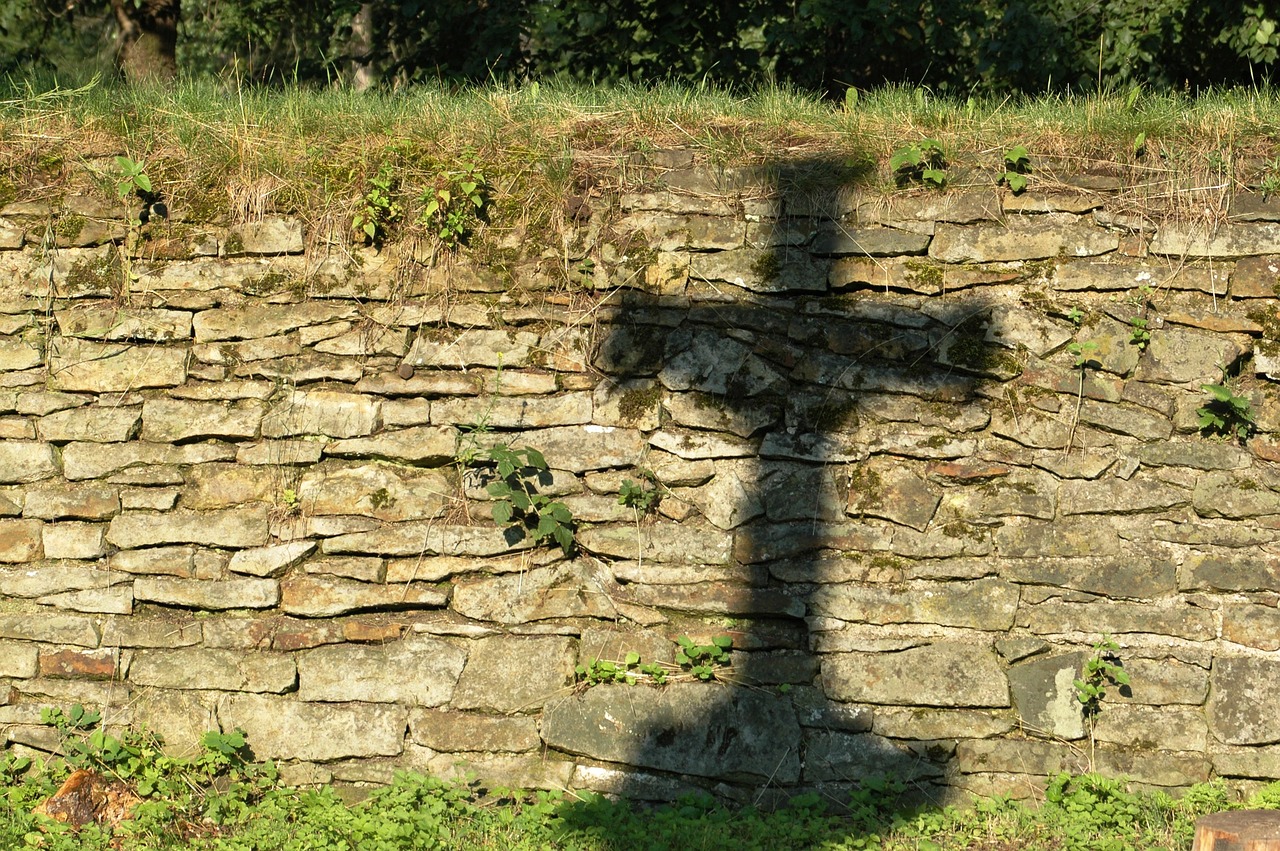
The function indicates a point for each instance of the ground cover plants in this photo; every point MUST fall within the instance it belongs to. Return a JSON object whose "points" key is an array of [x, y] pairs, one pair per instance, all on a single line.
{"points": [[223, 799]]}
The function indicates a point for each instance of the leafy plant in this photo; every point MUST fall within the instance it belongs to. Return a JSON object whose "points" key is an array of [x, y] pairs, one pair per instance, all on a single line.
{"points": [[379, 208], [517, 503], [1017, 165], [702, 660], [1140, 333], [1101, 671], [924, 163], [133, 179], [1075, 316], [1084, 353], [1269, 183], [629, 671], [637, 495], [454, 203], [1225, 414]]}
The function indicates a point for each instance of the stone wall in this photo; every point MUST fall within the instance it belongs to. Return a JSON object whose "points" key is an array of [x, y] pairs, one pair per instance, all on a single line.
{"points": [[231, 493]]}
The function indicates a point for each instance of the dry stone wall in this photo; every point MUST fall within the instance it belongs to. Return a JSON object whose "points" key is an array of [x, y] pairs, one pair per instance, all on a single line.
{"points": [[232, 498]]}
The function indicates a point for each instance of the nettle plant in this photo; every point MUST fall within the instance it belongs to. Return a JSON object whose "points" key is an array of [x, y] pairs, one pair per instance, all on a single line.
{"points": [[518, 505], [454, 203], [1017, 165], [1225, 414], [924, 163], [379, 209]]}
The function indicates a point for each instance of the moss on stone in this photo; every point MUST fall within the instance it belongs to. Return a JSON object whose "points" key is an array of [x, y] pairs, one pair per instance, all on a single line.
{"points": [[922, 273], [233, 244], [767, 267], [634, 403], [70, 226], [92, 274]]}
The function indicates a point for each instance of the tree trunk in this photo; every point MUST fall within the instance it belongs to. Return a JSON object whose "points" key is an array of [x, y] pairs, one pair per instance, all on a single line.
{"points": [[360, 48], [148, 38], [1239, 830]]}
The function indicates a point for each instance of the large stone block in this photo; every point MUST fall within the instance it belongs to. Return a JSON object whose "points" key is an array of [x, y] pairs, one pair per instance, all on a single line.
{"points": [[326, 412], [701, 729], [92, 424], [53, 629], [72, 502], [324, 596], [177, 420], [1241, 706], [420, 671], [280, 728], [944, 673], [208, 594], [566, 590], [222, 670], [839, 755], [1044, 694], [468, 732], [83, 460], [26, 461], [21, 541], [422, 445], [235, 528], [266, 320], [388, 492], [985, 604], [83, 365], [543, 668]]}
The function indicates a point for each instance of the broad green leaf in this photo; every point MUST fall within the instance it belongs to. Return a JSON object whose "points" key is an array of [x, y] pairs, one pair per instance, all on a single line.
{"points": [[143, 182], [502, 512]]}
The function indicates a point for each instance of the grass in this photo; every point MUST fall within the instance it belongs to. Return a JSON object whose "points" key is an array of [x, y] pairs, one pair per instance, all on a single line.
{"points": [[235, 153]]}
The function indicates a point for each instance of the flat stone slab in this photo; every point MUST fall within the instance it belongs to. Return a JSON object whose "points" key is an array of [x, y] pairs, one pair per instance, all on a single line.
{"points": [[944, 673], [707, 730]]}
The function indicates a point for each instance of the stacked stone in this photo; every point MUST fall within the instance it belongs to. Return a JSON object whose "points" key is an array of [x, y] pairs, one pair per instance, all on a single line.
{"points": [[231, 496]]}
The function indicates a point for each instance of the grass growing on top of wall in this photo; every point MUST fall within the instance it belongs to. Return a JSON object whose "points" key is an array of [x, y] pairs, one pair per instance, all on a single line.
{"points": [[233, 153]]}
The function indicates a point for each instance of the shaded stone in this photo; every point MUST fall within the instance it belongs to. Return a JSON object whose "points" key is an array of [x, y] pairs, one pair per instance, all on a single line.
{"points": [[26, 461], [985, 604], [573, 589], [924, 724], [319, 596], [1018, 756], [697, 729], [944, 673], [208, 594], [1174, 618], [465, 731], [93, 424], [544, 666], [76, 364], [1252, 571], [838, 755], [1044, 694], [235, 528], [282, 728], [421, 671], [869, 242]]}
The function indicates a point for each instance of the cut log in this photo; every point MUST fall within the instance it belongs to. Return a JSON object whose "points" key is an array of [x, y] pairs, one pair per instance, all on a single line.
{"points": [[87, 797], [1239, 830]]}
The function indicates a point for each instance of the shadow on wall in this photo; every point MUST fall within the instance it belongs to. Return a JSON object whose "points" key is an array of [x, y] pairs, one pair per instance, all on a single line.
{"points": [[791, 399]]}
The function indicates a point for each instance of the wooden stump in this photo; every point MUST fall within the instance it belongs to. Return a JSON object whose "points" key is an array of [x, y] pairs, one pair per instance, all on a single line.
{"points": [[1239, 830]]}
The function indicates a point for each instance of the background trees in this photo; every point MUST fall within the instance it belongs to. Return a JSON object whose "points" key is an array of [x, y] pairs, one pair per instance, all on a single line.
{"points": [[828, 45]]}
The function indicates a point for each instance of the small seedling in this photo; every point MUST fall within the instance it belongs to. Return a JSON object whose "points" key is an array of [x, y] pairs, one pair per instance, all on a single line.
{"points": [[1140, 334], [1075, 315], [637, 496], [702, 660], [1269, 183], [1083, 351], [629, 671], [924, 163], [1017, 165], [1225, 414], [1139, 146]]}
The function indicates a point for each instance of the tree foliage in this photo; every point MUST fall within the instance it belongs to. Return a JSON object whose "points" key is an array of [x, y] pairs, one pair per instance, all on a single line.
{"points": [[826, 45]]}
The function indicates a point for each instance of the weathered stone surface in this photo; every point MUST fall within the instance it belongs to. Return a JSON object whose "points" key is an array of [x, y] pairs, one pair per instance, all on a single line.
{"points": [[660, 542], [319, 596], [1230, 571], [839, 755], [21, 540], [940, 674], [1240, 706], [1018, 756], [705, 360], [72, 502], [1186, 357], [573, 589], [1044, 693], [419, 538], [264, 320], [74, 540], [208, 594], [696, 729], [235, 528], [1152, 728], [1023, 238], [93, 461], [169, 561], [93, 424], [76, 364], [54, 629], [1198, 455], [466, 731], [1252, 625], [1229, 240], [384, 491], [224, 670], [924, 724], [472, 348], [868, 242], [430, 446], [139, 631], [26, 461], [324, 412], [1256, 277], [420, 671], [18, 659], [270, 562], [545, 666], [39, 580], [89, 664], [1233, 496], [177, 421], [1170, 618], [882, 487], [760, 270], [283, 728], [985, 604], [228, 486], [281, 453], [693, 445], [117, 600], [105, 322], [1116, 496]]}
